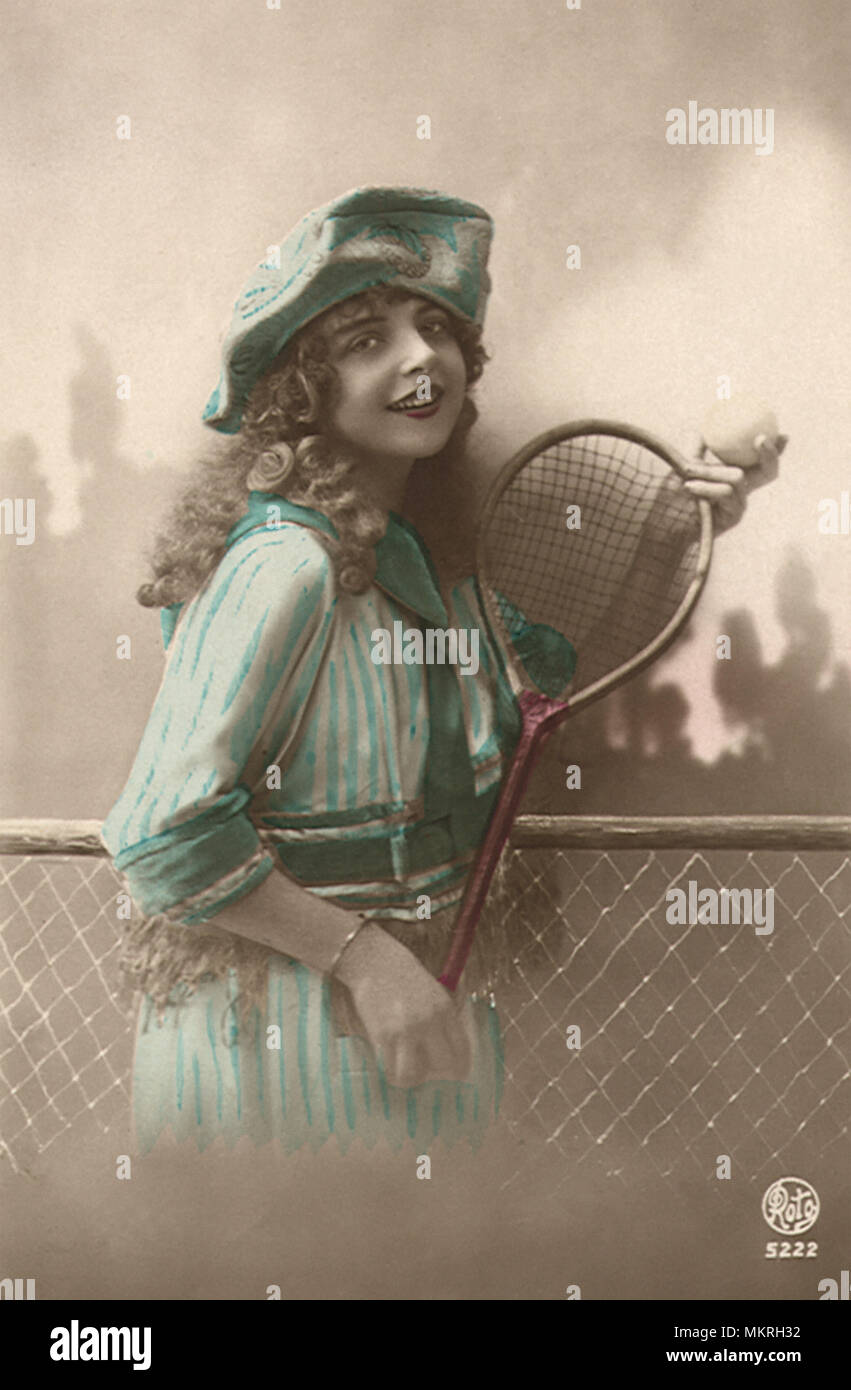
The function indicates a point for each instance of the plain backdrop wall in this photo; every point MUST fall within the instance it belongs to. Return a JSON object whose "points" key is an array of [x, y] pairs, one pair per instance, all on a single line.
{"points": [[122, 257]]}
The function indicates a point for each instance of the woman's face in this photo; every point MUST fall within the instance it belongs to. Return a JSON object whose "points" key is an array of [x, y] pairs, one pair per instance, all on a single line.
{"points": [[401, 379]]}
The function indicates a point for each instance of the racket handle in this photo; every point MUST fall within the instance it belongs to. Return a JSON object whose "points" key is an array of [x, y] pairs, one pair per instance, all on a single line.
{"points": [[537, 713]]}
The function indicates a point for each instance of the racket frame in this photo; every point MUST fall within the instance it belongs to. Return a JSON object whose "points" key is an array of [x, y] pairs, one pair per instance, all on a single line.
{"points": [[539, 713], [662, 641]]}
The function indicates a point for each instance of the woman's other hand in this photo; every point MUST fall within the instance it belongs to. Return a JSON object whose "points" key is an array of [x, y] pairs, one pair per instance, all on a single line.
{"points": [[727, 487], [410, 1021]]}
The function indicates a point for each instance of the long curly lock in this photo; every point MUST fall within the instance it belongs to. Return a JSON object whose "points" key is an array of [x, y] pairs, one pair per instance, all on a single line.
{"points": [[281, 448]]}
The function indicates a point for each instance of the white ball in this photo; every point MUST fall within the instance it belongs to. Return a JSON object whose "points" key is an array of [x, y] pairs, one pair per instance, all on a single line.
{"points": [[731, 427]]}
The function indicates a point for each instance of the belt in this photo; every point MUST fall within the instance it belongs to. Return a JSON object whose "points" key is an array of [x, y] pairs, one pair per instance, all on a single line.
{"points": [[397, 855]]}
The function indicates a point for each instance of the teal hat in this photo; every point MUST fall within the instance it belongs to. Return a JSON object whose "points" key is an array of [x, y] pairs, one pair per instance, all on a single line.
{"points": [[427, 243]]}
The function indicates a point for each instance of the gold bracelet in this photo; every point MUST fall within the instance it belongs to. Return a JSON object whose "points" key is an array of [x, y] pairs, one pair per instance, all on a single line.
{"points": [[348, 941]]}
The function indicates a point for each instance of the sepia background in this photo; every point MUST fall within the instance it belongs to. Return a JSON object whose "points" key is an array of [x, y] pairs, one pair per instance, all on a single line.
{"points": [[122, 258]]}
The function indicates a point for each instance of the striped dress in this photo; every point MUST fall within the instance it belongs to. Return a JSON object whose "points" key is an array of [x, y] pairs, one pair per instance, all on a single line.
{"points": [[276, 741]]}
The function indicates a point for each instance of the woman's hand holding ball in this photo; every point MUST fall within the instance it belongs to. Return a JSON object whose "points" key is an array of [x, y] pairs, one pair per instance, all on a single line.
{"points": [[744, 435]]}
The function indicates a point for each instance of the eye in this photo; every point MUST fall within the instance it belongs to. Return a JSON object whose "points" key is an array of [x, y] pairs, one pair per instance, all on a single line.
{"points": [[363, 343], [435, 326]]}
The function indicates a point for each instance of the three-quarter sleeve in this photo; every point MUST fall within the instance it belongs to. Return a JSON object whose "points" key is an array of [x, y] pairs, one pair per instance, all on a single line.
{"points": [[240, 667]]}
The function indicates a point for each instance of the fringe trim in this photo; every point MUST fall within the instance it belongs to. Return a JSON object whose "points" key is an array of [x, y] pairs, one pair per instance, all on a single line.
{"points": [[166, 960]]}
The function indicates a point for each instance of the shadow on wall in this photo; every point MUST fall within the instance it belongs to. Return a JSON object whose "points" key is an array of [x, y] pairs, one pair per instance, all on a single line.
{"points": [[790, 723], [73, 712]]}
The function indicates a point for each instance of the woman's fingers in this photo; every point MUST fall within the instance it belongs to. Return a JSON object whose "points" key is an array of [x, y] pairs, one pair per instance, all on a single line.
{"points": [[714, 492], [709, 470], [728, 499], [407, 1017], [726, 487], [405, 1063], [432, 1054]]}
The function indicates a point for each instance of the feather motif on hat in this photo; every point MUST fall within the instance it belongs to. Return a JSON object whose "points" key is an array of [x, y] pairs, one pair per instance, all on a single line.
{"points": [[366, 238]]}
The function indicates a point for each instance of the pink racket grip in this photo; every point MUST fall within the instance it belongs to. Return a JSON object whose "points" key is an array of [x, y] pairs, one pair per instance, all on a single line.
{"points": [[540, 714]]}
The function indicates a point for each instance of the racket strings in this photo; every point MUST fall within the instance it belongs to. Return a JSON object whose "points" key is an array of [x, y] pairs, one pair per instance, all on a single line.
{"points": [[596, 538]]}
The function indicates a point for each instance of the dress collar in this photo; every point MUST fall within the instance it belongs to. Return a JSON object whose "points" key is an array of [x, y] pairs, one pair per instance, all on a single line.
{"points": [[405, 570]]}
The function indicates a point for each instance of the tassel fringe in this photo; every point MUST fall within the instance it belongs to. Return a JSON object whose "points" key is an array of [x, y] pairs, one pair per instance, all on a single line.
{"points": [[166, 960]]}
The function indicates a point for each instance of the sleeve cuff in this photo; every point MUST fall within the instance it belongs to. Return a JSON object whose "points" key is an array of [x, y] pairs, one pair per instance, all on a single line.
{"points": [[228, 890], [197, 868]]}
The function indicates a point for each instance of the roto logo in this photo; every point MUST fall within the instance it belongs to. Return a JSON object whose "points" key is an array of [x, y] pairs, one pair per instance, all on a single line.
{"points": [[790, 1206]]}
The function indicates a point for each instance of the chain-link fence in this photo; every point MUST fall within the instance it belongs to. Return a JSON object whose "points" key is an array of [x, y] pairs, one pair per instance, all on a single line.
{"points": [[633, 1039]]}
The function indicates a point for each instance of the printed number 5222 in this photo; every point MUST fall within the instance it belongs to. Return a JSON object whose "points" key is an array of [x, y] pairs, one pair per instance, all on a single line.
{"points": [[786, 1251]]}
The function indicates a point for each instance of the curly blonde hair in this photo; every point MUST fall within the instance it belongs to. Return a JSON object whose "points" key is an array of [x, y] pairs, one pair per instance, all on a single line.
{"points": [[281, 448]]}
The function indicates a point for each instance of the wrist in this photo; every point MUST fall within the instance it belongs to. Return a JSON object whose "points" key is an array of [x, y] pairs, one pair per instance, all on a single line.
{"points": [[359, 953]]}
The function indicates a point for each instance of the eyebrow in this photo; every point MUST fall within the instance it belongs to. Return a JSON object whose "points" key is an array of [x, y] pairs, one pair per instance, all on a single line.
{"points": [[352, 324]]}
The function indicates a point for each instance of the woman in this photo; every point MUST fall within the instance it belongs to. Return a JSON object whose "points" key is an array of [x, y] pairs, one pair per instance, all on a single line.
{"points": [[301, 817]]}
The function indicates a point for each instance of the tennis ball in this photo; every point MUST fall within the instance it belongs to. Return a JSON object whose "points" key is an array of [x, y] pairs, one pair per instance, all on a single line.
{"points": [[731, 427]]}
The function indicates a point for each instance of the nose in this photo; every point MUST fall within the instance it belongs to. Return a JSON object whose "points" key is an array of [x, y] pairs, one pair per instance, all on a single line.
{"points": [[416, 353]]}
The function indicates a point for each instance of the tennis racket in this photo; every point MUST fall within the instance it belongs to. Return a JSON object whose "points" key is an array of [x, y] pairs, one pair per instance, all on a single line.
{"points": [[586, 535]]}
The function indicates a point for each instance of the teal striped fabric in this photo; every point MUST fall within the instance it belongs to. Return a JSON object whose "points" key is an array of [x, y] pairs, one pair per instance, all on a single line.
{"points": [[287, 1076], [276, 740]]}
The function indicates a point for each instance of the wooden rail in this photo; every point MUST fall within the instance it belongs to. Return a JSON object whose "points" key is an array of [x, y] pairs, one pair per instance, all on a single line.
{"points": [[682, 832], [534, 832]]}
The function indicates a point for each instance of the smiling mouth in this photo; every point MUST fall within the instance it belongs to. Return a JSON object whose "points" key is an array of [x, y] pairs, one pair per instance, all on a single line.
{"points": [[412, 402]]}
